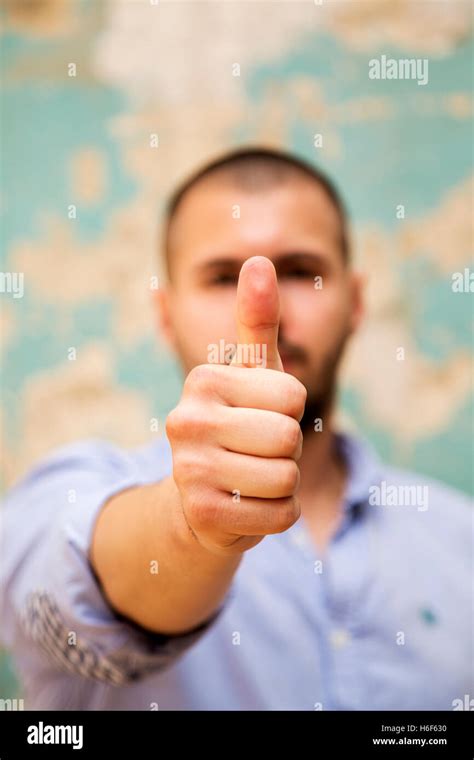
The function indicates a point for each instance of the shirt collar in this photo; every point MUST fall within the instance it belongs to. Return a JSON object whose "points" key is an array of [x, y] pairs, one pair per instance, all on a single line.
{"points": [[363, 466]]}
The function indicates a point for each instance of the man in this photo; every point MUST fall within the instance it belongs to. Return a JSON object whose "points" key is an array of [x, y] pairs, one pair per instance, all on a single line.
{"points": [[253, 559]]}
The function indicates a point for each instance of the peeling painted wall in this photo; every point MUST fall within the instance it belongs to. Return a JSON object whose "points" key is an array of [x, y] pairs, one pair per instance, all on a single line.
{"points": [[167, 69]]}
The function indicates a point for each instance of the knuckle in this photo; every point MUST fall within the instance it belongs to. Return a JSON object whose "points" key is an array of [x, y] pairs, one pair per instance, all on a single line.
{"points": [[188, 469], [192, 421], [200, 379], [289, 476], [175, 423], [287, 514], [202, 512], [295, 398], [291, 436]]}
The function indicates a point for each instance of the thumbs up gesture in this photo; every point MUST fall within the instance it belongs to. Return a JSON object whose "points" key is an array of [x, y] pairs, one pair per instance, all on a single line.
{"points": [[258, 313], [235, 434]]}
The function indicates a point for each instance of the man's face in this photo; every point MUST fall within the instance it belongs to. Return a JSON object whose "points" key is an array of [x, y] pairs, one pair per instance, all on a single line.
{"points": [[296, 226]]}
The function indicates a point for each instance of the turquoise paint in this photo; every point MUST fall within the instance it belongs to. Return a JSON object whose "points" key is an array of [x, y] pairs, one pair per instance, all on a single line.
{"points": [[43, 128]]}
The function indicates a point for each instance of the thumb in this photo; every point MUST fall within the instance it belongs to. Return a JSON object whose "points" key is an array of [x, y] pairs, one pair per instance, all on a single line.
{"points": [[258, 315]]}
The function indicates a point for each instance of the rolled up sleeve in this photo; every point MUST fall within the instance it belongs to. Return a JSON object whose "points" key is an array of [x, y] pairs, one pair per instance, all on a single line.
{"points": [[51, 603]]}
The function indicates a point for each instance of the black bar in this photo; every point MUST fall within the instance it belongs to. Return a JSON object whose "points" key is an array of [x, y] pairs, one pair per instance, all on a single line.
{"points": [[322, 734]]}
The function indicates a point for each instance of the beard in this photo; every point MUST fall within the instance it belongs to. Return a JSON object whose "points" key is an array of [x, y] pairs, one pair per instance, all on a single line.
{"points": [[317, 408], [322, 393]]}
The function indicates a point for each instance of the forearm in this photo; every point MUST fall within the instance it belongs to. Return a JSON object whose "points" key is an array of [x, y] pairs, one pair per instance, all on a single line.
{"points": [[150, 565]]}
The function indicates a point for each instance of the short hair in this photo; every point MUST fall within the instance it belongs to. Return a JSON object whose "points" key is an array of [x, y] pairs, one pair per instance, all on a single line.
{"points": [[255, 169]]}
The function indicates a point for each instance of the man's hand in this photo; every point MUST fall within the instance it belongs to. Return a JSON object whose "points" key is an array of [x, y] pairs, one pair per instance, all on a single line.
{"points": [[236, 440], [235, 433]]}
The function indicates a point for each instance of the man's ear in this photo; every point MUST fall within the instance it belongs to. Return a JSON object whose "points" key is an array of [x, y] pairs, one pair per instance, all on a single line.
{"points": [[162, 311], [357, 285]]}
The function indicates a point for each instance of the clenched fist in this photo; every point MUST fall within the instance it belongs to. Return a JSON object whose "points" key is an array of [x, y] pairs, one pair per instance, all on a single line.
{"points": [[235, 434]]}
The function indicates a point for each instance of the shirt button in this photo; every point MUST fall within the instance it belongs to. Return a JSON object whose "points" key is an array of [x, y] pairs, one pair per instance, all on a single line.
{"points": [[339, 638]]}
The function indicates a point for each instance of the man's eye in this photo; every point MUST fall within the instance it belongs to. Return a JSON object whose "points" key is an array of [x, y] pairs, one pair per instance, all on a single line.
{"points": [[224, 279], [299, 274]]}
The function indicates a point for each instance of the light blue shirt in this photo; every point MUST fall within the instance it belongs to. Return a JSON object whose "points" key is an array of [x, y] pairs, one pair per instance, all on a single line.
{"points": [[383, 621]]}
